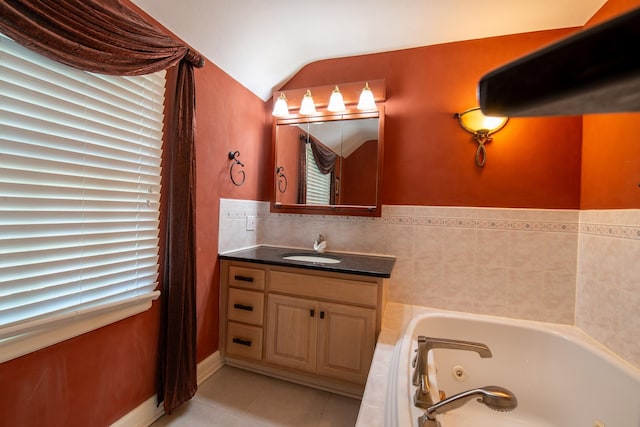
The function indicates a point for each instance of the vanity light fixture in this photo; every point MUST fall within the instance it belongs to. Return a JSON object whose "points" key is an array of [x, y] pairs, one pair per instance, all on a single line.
{"points": [[336, 102], [307, 107], [281, 109], [367, 101], [481, 127]]}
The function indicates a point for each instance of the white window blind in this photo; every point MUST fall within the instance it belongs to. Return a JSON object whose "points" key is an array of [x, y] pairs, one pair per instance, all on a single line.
{"points": [[79, 196], [318, 184]]}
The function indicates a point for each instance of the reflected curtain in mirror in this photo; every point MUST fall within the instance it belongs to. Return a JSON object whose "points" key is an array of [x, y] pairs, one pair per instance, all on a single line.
{"points": [[318, 163]]}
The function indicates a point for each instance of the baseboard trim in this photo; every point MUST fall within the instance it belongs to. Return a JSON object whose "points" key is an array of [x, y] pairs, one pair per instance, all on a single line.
{"points": [[209, 366], [142, 416], [148, 411]]}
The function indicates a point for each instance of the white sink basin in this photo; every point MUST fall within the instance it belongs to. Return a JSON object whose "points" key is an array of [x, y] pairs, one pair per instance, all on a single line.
{"points": [[308, 257]]}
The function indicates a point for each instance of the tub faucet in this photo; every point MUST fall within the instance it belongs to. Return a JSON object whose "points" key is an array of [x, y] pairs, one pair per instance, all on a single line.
{"points": [[494, 397], [422, 397]]}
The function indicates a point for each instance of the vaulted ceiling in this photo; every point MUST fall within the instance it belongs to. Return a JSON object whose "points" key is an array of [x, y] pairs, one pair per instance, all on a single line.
{"points": [[262, 43]]}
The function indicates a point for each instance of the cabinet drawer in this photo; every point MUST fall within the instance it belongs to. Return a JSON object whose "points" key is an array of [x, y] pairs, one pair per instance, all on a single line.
{"points": [[340, 290], [245, 341], [245, 277], [245, 306]]}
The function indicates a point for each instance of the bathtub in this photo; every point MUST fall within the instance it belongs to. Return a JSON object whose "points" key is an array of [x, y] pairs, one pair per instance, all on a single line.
{"points": [[560, 376]]}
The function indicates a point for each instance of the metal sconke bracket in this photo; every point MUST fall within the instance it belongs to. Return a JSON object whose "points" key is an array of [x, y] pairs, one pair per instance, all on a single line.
{"points": [[233, 155], [481, 137]]}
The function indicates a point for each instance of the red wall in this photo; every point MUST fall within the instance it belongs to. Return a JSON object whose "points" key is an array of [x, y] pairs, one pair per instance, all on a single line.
{"points": [[229, 118], [610, 146], [91, 380], [429, 159], [288, 157], [359, 180]]}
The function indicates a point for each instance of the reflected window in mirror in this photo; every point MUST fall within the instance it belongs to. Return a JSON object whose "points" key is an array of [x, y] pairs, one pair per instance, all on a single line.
{"points": [[318, 184]]}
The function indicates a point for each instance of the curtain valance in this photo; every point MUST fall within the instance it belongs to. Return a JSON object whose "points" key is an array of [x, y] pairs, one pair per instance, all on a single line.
{"points": [[101, 36]]}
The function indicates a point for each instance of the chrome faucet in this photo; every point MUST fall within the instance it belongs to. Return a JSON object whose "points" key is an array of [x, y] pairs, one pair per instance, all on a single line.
{"points": [[320, 244], [494, 397], [422, 397]]}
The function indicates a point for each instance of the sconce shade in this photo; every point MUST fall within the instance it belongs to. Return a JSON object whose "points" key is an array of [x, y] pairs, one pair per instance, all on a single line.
{"points": [[481, 127], [307, 107], [281, 109], [367, 101], [336, 102], [474, 121]]}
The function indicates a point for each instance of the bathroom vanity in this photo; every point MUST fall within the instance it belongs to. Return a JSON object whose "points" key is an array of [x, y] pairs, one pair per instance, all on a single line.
{"points": [[314, 321]]}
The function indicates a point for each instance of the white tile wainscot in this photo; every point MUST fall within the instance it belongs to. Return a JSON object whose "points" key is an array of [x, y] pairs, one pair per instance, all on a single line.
{"points": [[559, 266], [518, 263]]}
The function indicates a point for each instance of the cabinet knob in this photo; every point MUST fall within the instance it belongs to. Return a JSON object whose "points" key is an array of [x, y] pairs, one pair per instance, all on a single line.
{"points": [[322, 314], [312, 312]]}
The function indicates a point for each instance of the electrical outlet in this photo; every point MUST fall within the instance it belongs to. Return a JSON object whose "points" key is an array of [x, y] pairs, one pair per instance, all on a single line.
{"points": [[251, 223]]}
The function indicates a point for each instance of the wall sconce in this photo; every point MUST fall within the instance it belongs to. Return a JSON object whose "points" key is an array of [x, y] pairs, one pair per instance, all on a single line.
{"points": [[281, 109], [307, 107], [481, 127]]}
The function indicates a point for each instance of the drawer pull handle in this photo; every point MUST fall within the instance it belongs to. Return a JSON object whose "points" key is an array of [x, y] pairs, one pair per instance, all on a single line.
{"points": [[242, 342], [243, 278], [312, 312], [322, 314], [243, 307]]}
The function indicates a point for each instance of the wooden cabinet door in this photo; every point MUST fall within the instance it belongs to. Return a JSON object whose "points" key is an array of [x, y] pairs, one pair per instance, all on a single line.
{"points": [[291, 332], [346, 341]]}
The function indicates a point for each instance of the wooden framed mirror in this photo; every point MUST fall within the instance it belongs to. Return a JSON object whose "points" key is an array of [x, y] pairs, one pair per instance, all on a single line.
{"points": [[329, 163]]}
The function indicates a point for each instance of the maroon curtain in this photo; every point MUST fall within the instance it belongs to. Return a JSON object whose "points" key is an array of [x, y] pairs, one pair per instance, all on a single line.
{"points": [[302, 167], [104, 36], [101, 36], [178, 377]]}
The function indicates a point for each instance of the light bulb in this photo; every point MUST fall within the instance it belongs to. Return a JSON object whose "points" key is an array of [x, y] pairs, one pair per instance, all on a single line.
{"points": [[367, 101], [336, 102], [307, 107], [281, 109]]}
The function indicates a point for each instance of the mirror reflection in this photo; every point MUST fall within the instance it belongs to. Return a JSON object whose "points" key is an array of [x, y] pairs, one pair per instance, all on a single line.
{"points": [[328, 163]]}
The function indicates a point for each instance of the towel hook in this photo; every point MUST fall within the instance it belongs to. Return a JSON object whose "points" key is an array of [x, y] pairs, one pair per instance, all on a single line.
{"points": [[233, 155]]}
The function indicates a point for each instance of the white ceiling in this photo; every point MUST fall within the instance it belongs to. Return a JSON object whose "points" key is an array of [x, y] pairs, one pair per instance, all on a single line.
{"points": [[262, 43]]}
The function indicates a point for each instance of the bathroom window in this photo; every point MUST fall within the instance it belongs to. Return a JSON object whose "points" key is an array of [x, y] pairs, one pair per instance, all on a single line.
{"points": [[80, 171]]}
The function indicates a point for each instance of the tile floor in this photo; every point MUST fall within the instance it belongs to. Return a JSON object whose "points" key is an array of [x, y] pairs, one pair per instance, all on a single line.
{"points": [[234, 397]]}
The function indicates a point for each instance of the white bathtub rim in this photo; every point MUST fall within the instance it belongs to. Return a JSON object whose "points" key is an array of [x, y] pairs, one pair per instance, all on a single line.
{"points": [[567, 332], [395, 416]]}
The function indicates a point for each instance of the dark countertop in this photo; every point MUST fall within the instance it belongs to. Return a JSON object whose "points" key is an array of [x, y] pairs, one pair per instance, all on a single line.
{"points": [[365, 265]]}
